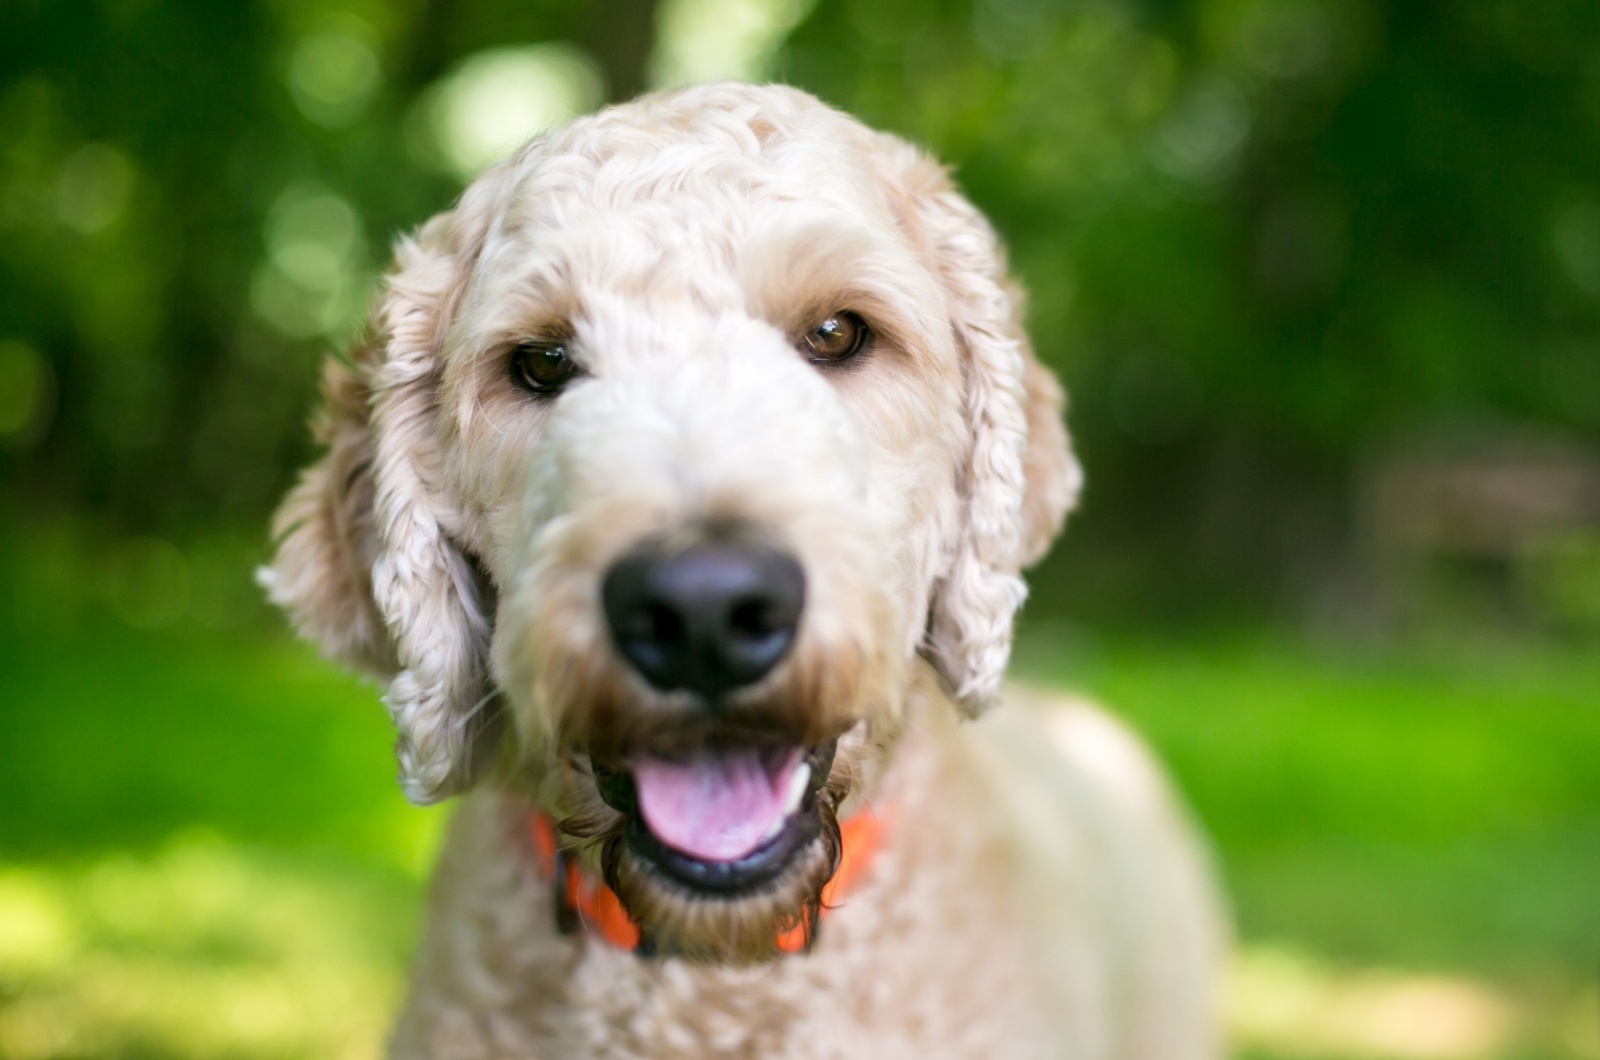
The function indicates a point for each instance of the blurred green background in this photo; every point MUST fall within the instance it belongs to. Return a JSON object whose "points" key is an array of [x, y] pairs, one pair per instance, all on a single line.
{"points": [[1322, 277]]}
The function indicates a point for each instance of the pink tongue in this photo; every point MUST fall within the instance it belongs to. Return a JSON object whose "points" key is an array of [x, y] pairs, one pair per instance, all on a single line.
{"points": [[715, 807]]}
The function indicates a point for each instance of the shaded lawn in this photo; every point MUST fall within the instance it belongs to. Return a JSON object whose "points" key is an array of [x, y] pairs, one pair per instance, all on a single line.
{"points": [[125, 736], [193, 814]]}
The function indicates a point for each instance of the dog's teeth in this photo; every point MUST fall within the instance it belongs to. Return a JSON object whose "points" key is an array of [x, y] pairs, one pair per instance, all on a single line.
{"points": [[798, 781]]}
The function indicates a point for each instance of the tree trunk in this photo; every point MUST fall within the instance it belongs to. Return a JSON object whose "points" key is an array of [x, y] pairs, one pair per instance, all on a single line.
{"points": [[619, 33]]}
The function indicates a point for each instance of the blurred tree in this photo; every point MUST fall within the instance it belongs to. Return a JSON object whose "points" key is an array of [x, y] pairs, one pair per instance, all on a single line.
{"points": [[1262, 236], [193, 203]]}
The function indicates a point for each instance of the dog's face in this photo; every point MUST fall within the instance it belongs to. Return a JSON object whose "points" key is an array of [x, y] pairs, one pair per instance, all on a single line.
{"points": [[681, 437]]}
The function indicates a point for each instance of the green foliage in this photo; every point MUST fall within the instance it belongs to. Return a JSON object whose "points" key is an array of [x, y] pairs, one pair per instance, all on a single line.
{"points": [[1330, 218], [1262, 237], [1263, 240]]}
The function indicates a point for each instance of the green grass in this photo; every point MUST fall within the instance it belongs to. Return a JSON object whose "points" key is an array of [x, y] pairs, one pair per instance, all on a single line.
{"points": [[202, 849], [203, 853], [1431, 810], [1436, 810]]}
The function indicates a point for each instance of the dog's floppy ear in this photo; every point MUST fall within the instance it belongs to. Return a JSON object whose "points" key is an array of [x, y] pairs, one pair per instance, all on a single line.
{"points": [[326, 544], [1020, 478], [365, 564]]}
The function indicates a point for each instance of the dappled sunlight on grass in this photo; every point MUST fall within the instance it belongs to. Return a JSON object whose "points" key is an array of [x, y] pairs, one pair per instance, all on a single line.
{"points": [[208, 949], [1292, 1004], [205, 854], [1287, 1002], [204, 949]]}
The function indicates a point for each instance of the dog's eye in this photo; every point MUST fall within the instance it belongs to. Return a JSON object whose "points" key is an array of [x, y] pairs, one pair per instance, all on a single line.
{"points": [[542, 366], [836, 339]]}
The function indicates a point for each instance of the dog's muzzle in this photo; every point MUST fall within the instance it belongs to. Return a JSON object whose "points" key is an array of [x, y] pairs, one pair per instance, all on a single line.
{"points": [[732, 807]]}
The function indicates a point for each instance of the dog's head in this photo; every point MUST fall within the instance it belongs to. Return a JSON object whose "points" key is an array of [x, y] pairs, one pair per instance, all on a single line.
{"points": [[675, 443]]}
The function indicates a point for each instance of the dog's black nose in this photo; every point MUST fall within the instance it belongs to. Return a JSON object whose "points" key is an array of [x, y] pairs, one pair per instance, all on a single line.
{"points": [[708, 618]]}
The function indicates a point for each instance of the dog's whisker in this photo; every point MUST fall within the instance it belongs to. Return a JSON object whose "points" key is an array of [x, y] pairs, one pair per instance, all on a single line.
{"points": [[475, 715]]}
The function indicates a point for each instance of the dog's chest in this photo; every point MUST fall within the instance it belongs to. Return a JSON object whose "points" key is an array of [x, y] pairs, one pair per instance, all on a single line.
{"points": [[959, 943], [873, 989]]}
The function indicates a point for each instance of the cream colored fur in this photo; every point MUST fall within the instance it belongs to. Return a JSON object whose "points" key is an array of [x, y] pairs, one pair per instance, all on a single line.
{"points": [[1038, 896]]}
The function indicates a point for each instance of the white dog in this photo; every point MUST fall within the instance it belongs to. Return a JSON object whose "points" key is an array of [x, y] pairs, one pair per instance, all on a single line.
{"points": [[680, 496]]}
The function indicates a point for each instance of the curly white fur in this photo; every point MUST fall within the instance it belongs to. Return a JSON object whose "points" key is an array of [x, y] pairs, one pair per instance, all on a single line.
{"points": [[454, 537]]}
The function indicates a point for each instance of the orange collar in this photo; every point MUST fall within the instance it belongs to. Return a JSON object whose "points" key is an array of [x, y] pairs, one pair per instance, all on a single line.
{"points": [[584, 899]]}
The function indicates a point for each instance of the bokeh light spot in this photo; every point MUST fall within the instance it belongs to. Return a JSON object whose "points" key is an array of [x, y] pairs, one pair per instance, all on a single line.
{"points": [[35, 928], [313, 235], [709, 40], [93, 188], [1576, 237], [334, 73], [496, 100], [26, 393], [1281, 38], [1201, 140], [314, 280]]}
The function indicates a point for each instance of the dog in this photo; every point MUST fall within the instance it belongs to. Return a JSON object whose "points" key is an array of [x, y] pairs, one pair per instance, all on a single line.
{"points": [[679, 495]]}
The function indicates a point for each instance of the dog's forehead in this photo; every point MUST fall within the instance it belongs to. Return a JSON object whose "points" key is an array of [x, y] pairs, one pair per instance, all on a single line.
{"points": [[682, 206], [691, 149]]}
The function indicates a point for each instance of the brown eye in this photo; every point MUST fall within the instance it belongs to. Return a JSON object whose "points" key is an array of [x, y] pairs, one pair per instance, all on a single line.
{"points": [[542, 366], [836, 339]]}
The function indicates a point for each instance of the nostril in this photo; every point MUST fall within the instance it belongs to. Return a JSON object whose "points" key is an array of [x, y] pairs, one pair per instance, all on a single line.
{"points": [[752, 618], [649, 635], [661, 624]]}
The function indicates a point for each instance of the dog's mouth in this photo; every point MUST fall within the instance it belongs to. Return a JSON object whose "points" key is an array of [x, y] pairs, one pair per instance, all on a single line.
{"points": [[722, 819]]}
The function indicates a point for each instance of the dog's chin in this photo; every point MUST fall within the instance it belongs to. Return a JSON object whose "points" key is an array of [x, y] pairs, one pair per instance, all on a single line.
{"points": [[718, 853]]}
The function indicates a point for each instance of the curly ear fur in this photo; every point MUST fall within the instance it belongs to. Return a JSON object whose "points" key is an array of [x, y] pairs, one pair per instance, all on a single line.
{"points": [[365, 565], [1051, 471], [321, 574], [1020, 478]]}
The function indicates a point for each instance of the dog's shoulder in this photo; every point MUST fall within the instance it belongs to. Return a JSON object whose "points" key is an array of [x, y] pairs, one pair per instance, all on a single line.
{"points": [[1073, 734], [1098, 815]]}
